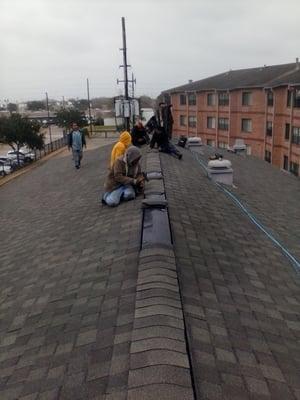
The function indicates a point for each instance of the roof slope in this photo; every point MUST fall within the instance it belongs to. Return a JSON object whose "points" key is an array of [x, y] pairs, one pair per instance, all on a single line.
{"points": [[242, 78]]}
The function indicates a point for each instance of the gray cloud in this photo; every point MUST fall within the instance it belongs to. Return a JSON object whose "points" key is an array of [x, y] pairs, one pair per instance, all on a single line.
{"points": [[55, 45]]}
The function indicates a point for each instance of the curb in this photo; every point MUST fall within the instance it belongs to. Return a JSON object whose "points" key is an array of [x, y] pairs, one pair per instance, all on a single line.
{"points": [[30, 167]]}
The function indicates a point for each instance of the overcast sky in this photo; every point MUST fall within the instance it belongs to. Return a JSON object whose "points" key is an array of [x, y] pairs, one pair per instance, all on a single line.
{"points": [[54, 45]]}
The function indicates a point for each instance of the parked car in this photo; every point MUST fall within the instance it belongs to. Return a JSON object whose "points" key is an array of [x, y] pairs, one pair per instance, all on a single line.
{"points": [[12, 162], [28, 153], [5, 168], [23, 156], [13, 155]]}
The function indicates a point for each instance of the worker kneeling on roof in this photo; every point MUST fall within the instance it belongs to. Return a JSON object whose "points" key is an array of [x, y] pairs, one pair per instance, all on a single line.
{"points": [[124, 178]]}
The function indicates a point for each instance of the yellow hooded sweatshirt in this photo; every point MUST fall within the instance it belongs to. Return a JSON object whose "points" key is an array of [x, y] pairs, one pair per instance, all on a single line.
{"points": [[120, 147]]}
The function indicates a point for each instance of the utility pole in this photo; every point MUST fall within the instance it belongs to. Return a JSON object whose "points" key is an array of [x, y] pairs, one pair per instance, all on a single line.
{"points": [[127, 119], [49, 125], [127, 101], [133, 81], [90, 115], [132, 96]]}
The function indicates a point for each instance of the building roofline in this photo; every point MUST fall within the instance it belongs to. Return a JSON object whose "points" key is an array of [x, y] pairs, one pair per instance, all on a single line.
{"points": [[214, 90], [232, 89], [264, 76]]}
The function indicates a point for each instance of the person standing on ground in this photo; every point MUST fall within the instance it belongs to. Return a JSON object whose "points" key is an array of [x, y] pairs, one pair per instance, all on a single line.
{"points": [[120, 147], [76, 141]]}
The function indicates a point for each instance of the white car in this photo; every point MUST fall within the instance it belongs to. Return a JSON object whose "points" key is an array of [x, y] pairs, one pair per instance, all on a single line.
{"points": [[28, 152], [23, 156], [5, 168], [13, 155]]}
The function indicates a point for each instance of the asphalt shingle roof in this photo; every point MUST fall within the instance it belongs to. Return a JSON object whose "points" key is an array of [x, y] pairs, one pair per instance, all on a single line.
{"points": [[272, 75], [86, 315], [240, 295]]}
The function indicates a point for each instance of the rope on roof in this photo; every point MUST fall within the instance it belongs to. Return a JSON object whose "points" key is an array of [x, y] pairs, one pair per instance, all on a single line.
{"points": [[293, 260]]}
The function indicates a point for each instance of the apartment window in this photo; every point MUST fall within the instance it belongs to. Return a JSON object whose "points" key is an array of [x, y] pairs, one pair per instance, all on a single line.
{"points": [[248, 149], [223, 145], [182, 99], [269, 128], [270, 98], [286, 163], [246, 98], [246, 125], [182, 120], [192, 99], [287, 132], [295, 135], [210, 142], [211, 122], [268, 156], [223, 124], [192, 122], [210, 99], [295, 95], [294, 168], [223, 99]]}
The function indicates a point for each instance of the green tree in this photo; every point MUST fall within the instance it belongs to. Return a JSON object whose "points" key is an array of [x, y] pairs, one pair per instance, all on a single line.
{"points": [[103, 103], [12, 107], [65, 118], [35, 105], [146, 102], [18, 131]]}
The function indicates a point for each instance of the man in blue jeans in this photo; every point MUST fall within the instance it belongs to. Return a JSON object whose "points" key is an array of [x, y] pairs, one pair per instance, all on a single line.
{"points": [[76, 141], [124, 177]]}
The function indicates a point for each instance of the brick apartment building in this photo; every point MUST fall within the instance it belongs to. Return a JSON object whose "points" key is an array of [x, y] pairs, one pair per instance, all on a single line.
{"points": [[259, 105]]}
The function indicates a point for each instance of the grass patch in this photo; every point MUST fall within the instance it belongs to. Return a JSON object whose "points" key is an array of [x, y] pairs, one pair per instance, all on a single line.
{"points": [[103, 128]]}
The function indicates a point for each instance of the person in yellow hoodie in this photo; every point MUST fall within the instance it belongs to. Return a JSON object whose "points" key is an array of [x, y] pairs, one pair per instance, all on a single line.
{"points": [[120, 147]]}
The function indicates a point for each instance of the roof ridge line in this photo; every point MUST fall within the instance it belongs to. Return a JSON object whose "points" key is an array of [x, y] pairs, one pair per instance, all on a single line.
{"points": [[283, 75]]}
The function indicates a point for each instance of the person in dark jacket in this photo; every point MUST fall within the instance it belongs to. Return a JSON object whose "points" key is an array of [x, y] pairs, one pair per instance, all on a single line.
{"points": [[151, 124], [165, 118], [124, 178], [139, 135], [160, 138], [76, 141], [168, 123]]}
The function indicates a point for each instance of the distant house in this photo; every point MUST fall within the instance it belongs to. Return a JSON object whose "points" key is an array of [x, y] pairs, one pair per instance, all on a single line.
{"points": [[22, 107], [146, 114], [41, 116], [259, 105], [112, 121]]}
